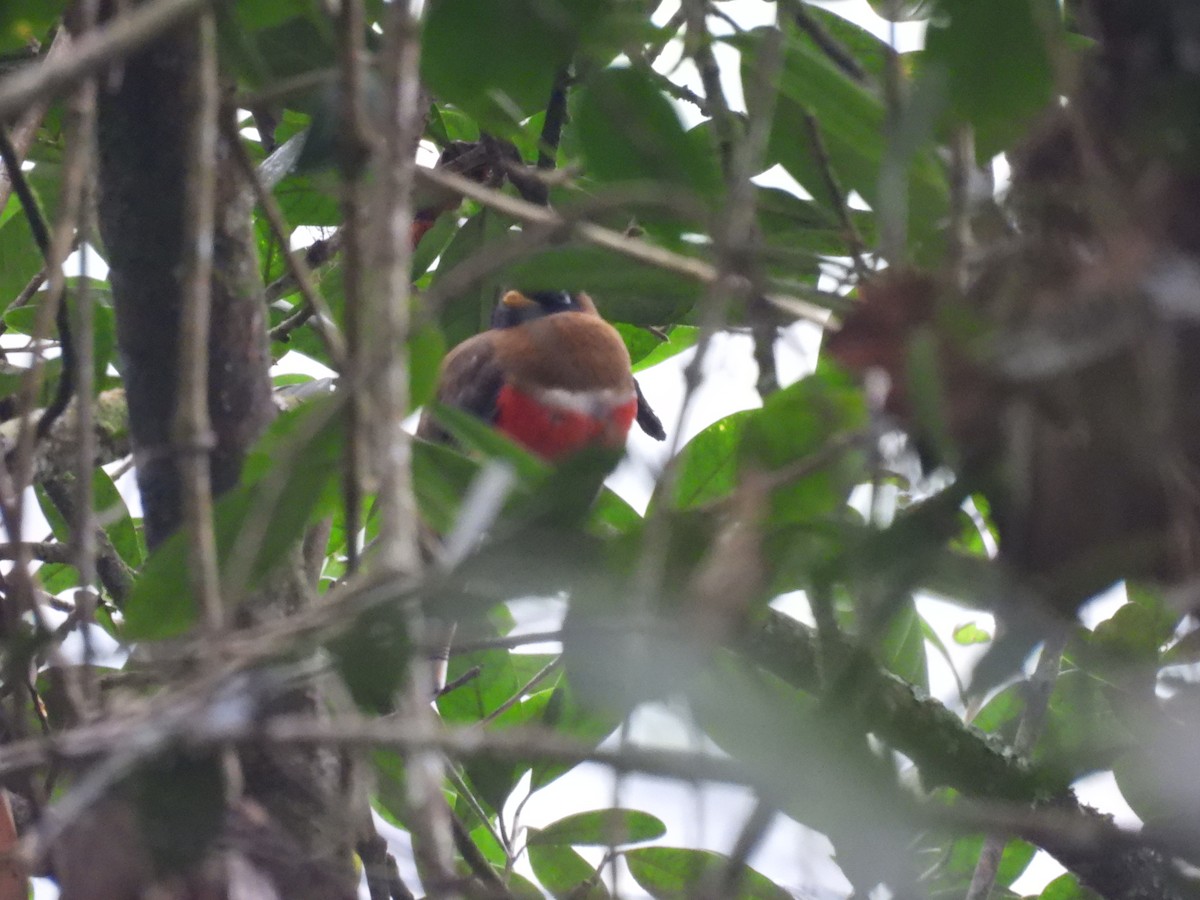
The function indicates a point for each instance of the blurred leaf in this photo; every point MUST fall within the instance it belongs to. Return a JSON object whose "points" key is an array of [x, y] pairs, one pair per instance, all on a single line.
{"points": [[426, 347], [179, 802], [567, 716], [951, 878], [497, 61], [903, 647], [520, 887], [707, 465], [681, 338], [867, 50], [969, 634], [289, 475], [1067, 887], [650, 145], [851, 120], [997, 59], [1083, 732], [20, 260], [624, 290], [562, 871], [601, 828], [25, 21], [667, 873], [373, 658], [469, 312], [794, 426]]}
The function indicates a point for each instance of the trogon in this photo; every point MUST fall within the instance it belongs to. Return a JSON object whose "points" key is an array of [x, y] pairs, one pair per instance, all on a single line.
{"points": [[552, 375]]}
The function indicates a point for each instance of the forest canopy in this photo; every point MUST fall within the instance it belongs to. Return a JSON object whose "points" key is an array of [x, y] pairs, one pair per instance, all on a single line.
{"points": [[216, 678]]}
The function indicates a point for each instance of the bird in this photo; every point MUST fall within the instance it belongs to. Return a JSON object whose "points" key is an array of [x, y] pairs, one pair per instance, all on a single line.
{"points": [[550, 373]]}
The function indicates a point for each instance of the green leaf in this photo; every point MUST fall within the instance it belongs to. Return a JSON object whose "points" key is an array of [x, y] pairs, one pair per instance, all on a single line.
{"points": [[20, 260], [469, 312], [624, 290], [903, 648], [426, 347], [113, 516], [497, 61], [681, 337], [996, 63], [851, 119], [650, 145], [667, 873], [602, 828], [707, 465], [520, 887], [970, 633], [289, 475], [566, 715], [1067, 887], [23, 21], [868, 50], [440, 478], [562, 871], [373, 657], [795, 426]]}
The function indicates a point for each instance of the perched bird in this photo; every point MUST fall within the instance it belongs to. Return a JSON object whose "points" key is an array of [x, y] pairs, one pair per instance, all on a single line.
{"points": [[553, 376], [550, 373]]}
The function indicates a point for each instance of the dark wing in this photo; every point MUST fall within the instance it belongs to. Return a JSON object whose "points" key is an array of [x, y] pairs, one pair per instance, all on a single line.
{"points": [[649, 422], [470, 380]]}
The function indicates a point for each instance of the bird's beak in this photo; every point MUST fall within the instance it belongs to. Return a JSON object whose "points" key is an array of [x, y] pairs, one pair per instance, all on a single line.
{"points": [[516, 300]]}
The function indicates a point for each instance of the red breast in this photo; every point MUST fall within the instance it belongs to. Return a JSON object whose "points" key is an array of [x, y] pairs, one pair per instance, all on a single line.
{"points": [[556, 381]]}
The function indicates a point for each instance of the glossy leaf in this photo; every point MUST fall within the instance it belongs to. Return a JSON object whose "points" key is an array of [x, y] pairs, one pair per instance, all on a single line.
{"points": [[650, 145], [997, 63], [563, 872], [667, 873], [601, 828]]}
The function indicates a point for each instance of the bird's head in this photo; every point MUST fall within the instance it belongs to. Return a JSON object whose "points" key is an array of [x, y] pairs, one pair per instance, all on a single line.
{"points": [[516, 307]]}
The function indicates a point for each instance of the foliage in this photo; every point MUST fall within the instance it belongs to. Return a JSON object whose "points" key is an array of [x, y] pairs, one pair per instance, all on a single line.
{"points": [[830, 725]]}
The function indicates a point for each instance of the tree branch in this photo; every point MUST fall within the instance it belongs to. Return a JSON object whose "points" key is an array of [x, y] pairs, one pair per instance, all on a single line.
{"points": [[101, 47]]}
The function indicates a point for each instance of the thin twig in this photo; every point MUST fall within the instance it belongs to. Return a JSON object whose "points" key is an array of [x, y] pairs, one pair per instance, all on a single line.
{"points": [[42, 551], [192, 429], [461, 681], [434, 827], [541, 675], [379, 867], [556, 118], [312, 302], [52, 254], [686, 266], [27, 293], [507, 642], [477, 862], [748, 840], [962, 149], [853, 239], [839, 55], [1037, 701], [25, 131], [82, 372], [101, 47], [700, 43], [356, 148]]}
